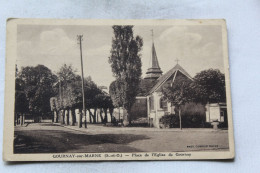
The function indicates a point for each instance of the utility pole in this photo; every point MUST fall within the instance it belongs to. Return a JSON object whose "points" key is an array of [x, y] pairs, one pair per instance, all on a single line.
{"points": [[61, 103], [79, 37]]}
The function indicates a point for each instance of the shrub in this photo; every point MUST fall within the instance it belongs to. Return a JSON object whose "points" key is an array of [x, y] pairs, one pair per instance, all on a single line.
{"points": [[170, 121], [193, 115]]}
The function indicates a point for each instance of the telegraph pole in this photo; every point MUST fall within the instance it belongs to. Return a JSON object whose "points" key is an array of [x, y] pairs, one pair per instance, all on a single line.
{"points": [[79, 37], [61, 104]]}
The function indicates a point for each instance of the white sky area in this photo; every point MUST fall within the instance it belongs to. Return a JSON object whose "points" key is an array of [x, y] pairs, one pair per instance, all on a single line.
{"points": [[197, 47]]}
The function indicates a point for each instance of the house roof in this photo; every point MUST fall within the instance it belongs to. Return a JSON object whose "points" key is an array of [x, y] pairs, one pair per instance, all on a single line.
{"points": [[167, 75]]}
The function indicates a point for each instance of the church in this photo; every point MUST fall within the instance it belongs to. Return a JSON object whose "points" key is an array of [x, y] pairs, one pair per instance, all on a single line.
{"points": [[149, 101]]}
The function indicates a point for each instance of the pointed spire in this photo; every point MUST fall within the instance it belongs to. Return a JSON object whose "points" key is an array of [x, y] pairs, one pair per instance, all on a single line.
{"points": [[155, 63], [154, 71]]}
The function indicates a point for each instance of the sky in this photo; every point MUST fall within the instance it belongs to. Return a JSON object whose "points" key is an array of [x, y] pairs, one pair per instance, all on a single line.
{"points": [[198, 47]]}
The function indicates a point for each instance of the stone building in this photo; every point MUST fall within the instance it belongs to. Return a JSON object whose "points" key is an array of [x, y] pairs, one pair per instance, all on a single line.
{"points": [[149, 102]]}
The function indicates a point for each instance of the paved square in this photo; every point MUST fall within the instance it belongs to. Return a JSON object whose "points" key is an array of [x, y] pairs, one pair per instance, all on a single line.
{"points": [[54, 138]]}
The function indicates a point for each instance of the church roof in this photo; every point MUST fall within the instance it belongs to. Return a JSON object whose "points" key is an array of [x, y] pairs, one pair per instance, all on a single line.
{"points": [[145, 86], [167, 75], [154, 71]]}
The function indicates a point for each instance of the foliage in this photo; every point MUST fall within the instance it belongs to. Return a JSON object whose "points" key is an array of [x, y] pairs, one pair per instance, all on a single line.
{"points": [[68, 91], [71, 95], [54, 104], [125, 60], [21, 102], [193, 115], [67, 74], [170, 121], [209, 86], [38, 87], [115, 93], [179, 93]]}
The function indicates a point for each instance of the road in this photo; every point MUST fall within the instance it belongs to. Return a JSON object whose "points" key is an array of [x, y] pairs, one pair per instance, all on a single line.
{"points": [[53, 138]]}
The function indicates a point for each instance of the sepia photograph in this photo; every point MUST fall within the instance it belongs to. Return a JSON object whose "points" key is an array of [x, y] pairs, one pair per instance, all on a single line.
{"points": [[117, 90]]}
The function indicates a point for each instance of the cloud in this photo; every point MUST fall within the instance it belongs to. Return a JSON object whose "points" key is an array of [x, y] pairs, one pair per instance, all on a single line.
{"points": [[179, 41], [56, 42], [180, 34], [197, 49], [173, 33]]}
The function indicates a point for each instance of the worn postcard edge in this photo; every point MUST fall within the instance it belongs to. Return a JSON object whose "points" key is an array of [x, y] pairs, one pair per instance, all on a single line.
{"points": [[11, 41]]}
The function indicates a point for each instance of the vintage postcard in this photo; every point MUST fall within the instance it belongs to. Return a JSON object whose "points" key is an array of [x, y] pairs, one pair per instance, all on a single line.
{"points": [[89, 90]]}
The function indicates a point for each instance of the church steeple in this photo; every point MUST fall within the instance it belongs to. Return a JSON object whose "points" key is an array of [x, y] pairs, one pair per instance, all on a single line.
{"points": [[154, 72]]}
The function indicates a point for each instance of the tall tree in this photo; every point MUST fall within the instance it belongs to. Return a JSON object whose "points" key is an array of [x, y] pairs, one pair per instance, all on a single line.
{"points": [[38, 88], [179, 94], [209, 86], [125, 60], [67, 92], [71, 96], [67, 74], [21, 102]]}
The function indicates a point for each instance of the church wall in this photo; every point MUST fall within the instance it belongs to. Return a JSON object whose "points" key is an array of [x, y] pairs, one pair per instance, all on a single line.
{"points": [[157, 109], [155, 112]]}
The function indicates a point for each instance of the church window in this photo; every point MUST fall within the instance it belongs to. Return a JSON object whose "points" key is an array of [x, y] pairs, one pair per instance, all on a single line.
{"points": [[163, 104]]}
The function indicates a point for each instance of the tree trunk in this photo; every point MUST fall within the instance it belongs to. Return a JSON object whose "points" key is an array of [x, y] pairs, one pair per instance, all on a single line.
{"points": [[127, 118], [180, 117], [105, 119], [63, 116], [85, 118], [21, 119], [80, 118], [95, 116], [102, 119], [111, 110], [92, 116], [67, 117], [119, 115], [73, 117], [56, 117], [53, 116], [15, 119]]}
